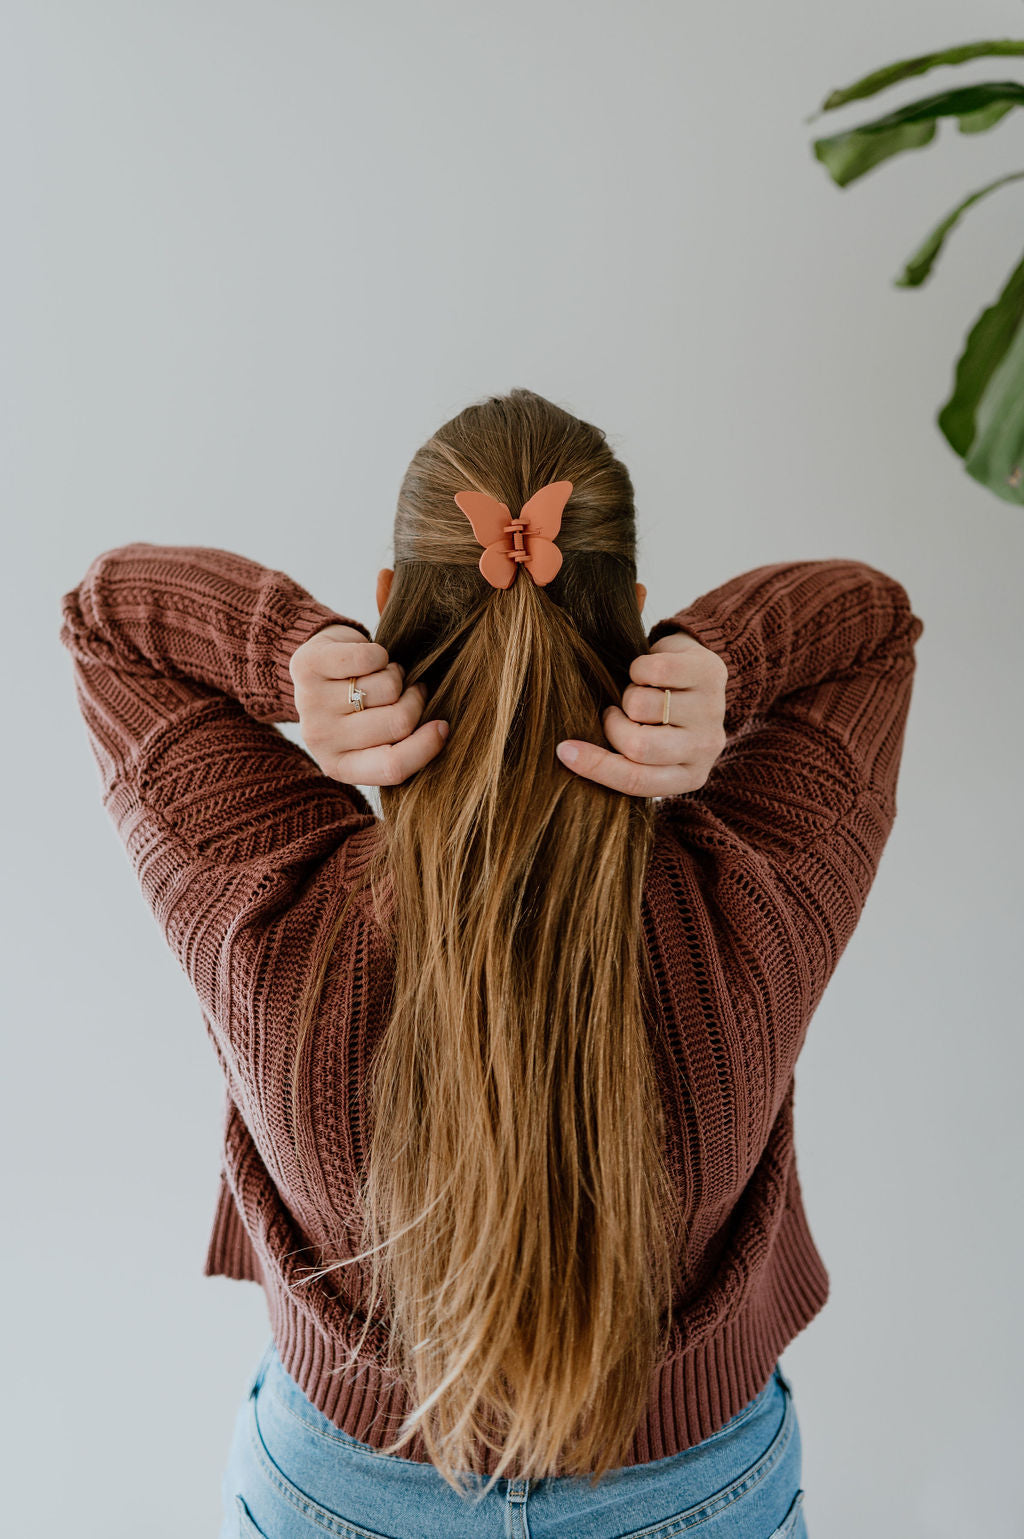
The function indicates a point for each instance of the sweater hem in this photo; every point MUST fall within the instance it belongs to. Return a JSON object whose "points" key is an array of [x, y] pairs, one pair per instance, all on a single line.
{"points": [[693, 1394], [230, 1252]]}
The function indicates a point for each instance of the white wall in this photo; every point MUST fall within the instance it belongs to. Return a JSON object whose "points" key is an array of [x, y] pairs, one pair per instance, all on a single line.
{"points": [[254, 252]]}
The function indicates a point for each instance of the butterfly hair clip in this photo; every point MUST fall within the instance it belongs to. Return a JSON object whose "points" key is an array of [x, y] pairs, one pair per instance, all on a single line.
{"points": [[510, 542]]}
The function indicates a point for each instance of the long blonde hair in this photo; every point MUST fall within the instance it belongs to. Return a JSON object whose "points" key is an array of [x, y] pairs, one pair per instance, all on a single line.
{"points": [[516, 1186]]}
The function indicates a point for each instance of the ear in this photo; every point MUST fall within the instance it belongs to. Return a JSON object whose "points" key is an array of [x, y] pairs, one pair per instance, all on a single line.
{"points": [[384, 577], [641, 596]]}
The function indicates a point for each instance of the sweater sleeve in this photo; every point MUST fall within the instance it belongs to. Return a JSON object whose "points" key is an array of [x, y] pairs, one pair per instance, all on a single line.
{"points": [[180, 665], [820, 658]]}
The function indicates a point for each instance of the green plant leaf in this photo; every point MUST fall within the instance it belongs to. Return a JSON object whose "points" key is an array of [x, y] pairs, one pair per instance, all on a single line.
{"points": [[987, 344], [919, 266], [984, 118], [997, 453], [849, 155], [891, 74]]}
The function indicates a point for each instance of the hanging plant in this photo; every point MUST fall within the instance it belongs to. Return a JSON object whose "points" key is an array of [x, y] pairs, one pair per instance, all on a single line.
{"points": [[983, 419]]}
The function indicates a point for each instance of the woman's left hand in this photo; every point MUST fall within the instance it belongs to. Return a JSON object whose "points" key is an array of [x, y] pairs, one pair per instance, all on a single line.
{"points": [[648, 757], [380, 745]]}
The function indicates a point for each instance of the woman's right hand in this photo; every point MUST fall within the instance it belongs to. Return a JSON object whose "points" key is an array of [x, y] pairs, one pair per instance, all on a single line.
{"points": [[651, 759], [380, 745]]}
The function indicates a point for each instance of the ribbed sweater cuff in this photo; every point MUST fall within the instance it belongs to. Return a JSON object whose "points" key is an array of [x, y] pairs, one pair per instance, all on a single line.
{"points": [[713, 635], [307, 620]]}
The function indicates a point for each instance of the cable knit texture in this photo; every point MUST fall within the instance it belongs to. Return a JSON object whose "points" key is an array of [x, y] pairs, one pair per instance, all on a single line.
{"points": [[244, 850]]}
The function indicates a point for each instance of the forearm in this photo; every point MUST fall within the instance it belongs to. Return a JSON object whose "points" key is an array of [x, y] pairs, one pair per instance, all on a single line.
{"points": [[197, 615], [791, 625]]}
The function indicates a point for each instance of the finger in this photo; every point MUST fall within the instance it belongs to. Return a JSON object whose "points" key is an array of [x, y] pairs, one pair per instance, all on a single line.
{"points": [[645, 703], [682, 663], [330, 697], [655, 744], [691, 710], [388, 764], [330, 657], [329, 732], [621, 774]]}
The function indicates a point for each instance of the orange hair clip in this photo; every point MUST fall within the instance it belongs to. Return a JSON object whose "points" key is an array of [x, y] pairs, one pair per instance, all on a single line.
{"points": [[533, 533]]}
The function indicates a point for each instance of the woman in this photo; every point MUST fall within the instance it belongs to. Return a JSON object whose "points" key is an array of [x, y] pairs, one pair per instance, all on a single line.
{"points": [[509, 1127]]}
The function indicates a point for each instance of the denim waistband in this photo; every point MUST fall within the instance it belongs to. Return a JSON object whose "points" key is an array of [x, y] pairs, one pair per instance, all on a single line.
{"points": [[312, 1462]]}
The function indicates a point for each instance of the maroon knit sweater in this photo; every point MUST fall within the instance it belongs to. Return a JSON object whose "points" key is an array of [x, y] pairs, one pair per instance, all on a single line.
{"points": [[244, 851]]}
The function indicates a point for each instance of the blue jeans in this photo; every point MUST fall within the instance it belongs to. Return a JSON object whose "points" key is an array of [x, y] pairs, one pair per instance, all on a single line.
{"points": [[292, 1474]]}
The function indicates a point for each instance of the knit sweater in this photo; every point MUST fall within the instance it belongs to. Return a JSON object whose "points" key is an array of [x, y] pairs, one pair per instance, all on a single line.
{"points": [[244, 851]]}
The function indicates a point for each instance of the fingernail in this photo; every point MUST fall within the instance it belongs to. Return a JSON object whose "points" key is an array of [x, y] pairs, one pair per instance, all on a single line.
{"points": [[442, 727], [567, 753]]}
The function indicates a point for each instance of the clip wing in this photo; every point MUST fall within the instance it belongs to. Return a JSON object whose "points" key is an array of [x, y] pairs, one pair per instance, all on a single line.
{"points": [[543, 516], [487, 515], [543, 512]]}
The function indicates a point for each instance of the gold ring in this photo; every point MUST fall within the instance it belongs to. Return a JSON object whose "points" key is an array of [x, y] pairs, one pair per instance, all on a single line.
{"points": [[667, 707], [356, 695]]}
